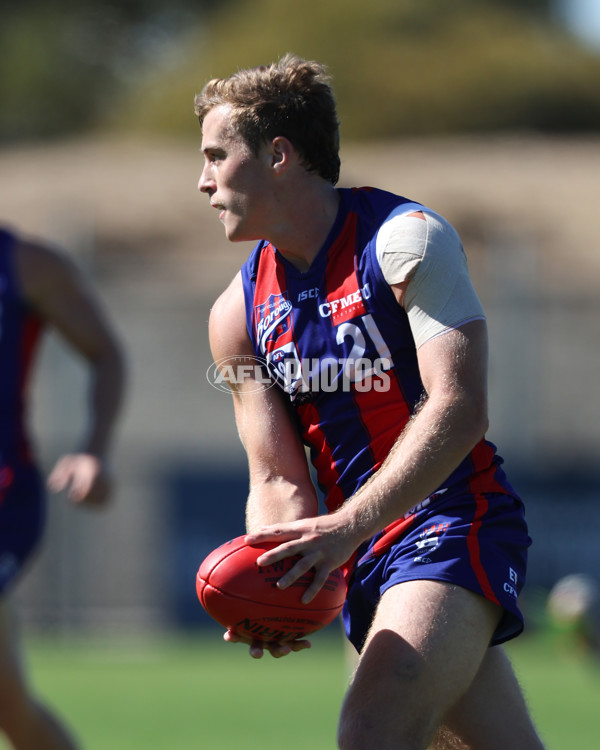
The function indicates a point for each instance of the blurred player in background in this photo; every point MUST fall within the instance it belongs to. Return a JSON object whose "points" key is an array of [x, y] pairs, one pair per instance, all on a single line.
{"points": [[359, 304], [39, 287], [574, 608]]}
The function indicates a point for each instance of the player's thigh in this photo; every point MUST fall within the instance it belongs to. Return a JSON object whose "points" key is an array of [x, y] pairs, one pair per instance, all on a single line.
{"points": [[492, 714], [423, 650]]}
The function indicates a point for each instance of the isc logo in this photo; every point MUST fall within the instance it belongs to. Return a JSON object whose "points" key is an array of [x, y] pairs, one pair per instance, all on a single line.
{"points": [[308, 294]]}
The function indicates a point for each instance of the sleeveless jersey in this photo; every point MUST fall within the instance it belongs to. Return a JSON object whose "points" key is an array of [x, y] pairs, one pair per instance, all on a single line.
{"points": [[335, 340], [19, 332]]}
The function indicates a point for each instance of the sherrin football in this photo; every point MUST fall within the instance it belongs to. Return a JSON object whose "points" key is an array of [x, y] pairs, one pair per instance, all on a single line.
{"points": [[243, 596]]}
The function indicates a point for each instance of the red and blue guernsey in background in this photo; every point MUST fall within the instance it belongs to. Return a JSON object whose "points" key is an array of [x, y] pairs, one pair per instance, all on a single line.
{"points": [[20, 328], [22, 496], [336, 341]]}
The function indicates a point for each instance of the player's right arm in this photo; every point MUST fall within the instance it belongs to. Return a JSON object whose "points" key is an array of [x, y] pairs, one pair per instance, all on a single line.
{"points": [[280, 485], [56, 289]]}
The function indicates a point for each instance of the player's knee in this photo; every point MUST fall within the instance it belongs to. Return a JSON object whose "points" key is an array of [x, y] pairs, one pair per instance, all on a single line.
{"points": [[445, 739], [358, 734], [358, 729], [362, 727], [354, 730], [350, 736]]}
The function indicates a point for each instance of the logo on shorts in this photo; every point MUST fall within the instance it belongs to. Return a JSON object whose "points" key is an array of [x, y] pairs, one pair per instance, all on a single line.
{"points": [[510, 586], [430, 540]]}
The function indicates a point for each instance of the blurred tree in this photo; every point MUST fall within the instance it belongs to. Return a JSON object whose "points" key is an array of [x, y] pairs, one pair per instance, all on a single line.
{"points": [[412, 67], [408, 67], [542, 7], [61, 63]]}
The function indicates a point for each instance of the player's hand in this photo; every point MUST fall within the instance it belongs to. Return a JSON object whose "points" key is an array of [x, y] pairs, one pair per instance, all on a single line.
{"points": [[324, 543], [257, 648], [83, 476]]}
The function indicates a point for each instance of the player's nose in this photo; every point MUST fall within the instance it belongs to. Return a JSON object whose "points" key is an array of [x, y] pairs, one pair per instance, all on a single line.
{"points": [[206, 183]]}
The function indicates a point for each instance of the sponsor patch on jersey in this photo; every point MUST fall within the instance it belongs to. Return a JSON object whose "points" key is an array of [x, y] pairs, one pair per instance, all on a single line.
{"points": [[346, 306]]}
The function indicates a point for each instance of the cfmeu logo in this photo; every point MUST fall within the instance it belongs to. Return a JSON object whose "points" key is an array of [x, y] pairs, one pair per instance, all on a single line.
{"points": [[231, 373]]}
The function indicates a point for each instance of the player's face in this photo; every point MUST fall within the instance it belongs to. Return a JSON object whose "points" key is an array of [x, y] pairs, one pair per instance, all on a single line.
{"points": [[235, 180]]}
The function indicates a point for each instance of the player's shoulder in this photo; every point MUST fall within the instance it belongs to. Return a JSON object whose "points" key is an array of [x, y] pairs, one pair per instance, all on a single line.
{"points": [[227, 319], [419, 229], [231, 300], [40, 263]]}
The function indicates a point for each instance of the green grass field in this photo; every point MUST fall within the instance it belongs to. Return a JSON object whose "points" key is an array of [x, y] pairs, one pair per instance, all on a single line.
{"points": [[199, 693]]}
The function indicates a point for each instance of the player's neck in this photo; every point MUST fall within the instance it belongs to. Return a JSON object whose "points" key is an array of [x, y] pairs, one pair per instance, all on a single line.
{"points": [[307, 225]]}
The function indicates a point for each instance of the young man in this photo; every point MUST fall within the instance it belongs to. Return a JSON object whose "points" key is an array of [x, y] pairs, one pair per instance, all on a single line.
{"points": [[359, 304], [40, 286]]}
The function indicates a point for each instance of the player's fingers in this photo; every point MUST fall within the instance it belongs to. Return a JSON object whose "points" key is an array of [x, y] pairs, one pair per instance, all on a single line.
{"points": [[297, 544], [59, 476], [231, 636], [321, 576], [299, 645], [82, 476], [81, 484], [285, 548], [256, 650], [276, 554], [278, 650], [302, 567], [274, 533], [96, 491]]}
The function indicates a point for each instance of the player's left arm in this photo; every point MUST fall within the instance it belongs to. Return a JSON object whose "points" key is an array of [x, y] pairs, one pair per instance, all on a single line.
{"points": [[280, 485], [61, 295], [281, 488]]}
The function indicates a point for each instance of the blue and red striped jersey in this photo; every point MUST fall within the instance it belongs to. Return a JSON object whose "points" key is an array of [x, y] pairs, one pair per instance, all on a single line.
{"points": [[19, 332], [336, 341]]}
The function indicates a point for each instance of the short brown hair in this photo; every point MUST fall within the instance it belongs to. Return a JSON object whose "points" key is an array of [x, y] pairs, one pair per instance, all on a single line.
{"points": [[291, 98]]}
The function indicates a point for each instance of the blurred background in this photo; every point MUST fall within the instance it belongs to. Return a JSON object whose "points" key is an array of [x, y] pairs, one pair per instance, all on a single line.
{"points": [[488, 111]]}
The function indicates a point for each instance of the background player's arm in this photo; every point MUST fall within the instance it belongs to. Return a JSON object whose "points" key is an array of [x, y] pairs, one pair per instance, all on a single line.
{"points": [[58, 291], [280, 485]]}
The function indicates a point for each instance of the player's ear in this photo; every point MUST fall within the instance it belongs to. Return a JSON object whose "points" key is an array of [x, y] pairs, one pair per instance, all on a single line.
{"points": [[282, 153]]}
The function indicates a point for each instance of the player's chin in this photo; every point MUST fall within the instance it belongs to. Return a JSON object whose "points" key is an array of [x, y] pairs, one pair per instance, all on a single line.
{"points": [[231, 231], [237, 231]]}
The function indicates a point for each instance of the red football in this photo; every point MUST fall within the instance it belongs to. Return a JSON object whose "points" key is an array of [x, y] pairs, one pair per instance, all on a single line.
{"points": [[243, 596]]}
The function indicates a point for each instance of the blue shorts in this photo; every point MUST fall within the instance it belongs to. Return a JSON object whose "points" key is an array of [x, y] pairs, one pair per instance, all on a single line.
{"points": [[22, 520], [477, 543]]}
